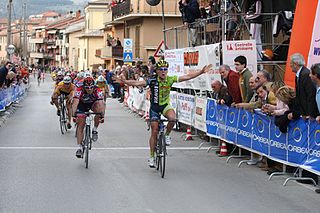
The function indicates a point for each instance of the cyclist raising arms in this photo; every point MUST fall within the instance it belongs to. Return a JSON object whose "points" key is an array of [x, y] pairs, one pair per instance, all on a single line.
{"points": [[160, 86], [87, 97]]}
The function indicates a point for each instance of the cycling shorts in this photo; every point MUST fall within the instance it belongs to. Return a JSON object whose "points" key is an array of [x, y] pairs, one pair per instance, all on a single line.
{"points": [[155, 112]]}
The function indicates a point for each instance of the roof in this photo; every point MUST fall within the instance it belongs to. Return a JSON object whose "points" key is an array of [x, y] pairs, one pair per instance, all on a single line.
{"points": [[96, 33], [50, 14], [76, 26], [3, 20]]}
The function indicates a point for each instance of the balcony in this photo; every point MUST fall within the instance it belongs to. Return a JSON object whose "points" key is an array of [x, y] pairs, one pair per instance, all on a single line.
{"points": [[58, 57], [36, 55], [37, 40], [109, 52], [59, 42], [49, 55], [50, 41], [131, 9]]}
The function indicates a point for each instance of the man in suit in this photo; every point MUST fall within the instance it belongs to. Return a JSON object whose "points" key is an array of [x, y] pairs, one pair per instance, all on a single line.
{"points": [[305, 89], [305, 97]]}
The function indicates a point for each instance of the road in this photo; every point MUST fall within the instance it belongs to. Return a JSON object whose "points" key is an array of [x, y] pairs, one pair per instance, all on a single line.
{"points": [[40, 173]]}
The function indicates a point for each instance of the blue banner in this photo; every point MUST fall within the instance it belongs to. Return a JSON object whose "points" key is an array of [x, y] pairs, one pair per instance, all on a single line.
{"points": [[260, 131], [298, 141], [10, 95], [221, 120], [232, 125], [314, 146], [212, 124], [244, 135], [278, 143]]}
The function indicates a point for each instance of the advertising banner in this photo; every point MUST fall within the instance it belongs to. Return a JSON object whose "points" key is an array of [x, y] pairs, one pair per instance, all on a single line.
{"points": [[278, 143], [221, 119], [314, 52], [193, 59], [244, 128], [200, 114], [185, 108], [212, 125], [173, 100], [232, 125], [261, 130], [247, 48], [313, 160], [298, 141]]}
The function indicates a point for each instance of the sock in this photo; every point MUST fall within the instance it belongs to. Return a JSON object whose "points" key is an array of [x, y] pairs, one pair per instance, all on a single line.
{"points": [[151, 154], [80, 146]]}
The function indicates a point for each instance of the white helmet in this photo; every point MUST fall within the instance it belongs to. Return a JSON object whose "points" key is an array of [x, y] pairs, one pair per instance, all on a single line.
{"points": [[67, 80], [60, 73], [80, 75], [87, 74], [101, 79]]}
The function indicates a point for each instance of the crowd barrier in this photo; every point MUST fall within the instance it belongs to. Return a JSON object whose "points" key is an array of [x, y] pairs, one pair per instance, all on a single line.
{"points": [[10, 95], [253, 131]]}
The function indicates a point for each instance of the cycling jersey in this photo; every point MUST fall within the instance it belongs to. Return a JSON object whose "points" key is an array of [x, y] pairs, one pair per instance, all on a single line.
{"points": [[160, 90], [78, 82], [88, 98], [62, 89]]}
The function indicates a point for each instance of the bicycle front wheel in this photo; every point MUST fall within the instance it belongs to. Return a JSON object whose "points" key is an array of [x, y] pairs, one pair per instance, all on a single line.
{"points": [[163, 156], [86, 145]]}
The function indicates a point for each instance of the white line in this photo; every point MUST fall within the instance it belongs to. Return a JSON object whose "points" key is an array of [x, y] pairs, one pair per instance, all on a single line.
{"points": [[103, 148]]}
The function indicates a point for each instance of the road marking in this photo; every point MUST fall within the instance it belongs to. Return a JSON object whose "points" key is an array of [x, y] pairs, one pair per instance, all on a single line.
{"points": [[102, 148]]}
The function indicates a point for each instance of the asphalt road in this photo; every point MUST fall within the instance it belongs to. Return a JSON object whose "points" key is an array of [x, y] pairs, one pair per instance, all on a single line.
{"points": [[40, 173]]}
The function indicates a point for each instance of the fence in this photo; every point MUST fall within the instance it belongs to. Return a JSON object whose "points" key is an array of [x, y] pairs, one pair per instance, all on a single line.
{"points": [[256, 132], [11, 95]]}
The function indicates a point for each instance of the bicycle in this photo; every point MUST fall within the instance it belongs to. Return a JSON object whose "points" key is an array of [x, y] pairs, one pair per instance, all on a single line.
{"points": [[87, 141], [161, 148], [63, 114]]}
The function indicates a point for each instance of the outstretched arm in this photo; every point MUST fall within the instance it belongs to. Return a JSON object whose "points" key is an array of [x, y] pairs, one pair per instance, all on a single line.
{"points": [[189, 76], [130, 82]]}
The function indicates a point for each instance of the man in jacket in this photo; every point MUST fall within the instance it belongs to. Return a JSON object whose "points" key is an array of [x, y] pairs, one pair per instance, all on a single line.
{"points": [[232, 80], [240, 63], [3, 72]]}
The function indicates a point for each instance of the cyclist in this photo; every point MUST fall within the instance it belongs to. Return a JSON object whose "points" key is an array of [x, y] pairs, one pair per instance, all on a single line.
{"points": [[87, 97], [160, 86], [78, 81], [102, 84], [67, 88], [59, 78]]}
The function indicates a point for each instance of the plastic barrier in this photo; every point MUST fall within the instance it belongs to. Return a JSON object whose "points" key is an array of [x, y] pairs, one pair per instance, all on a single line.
{"points": [[256, 132], [10, 95]]}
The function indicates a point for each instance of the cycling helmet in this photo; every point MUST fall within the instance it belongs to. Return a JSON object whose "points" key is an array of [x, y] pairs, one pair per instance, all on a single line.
{"points": [[87, 74], [80, 75], [88, 81], [162, 63], [101, 79], [73, 75], [59, 73], [67, 80]]}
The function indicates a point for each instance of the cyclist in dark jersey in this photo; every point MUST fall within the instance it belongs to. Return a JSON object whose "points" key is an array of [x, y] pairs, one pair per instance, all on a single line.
{"points": [[160, 86]]}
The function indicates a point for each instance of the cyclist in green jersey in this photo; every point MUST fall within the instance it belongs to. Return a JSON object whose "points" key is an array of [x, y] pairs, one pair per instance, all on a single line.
{"points": [[160, 86]]}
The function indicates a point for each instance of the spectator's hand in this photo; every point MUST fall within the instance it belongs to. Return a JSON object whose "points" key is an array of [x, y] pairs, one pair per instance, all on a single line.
{"points": [[222, 101], [185, 24], [318, 119], [206, 68], [305, 117], [233, 104], [290, 116]]}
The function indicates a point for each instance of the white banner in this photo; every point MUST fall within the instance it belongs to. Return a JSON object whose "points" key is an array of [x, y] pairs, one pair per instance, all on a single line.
{"points": [[192, 59], [185, 108], [173, 100], [130, 98], [314, 52], [138, 98], [200, 114], [247, 48]]}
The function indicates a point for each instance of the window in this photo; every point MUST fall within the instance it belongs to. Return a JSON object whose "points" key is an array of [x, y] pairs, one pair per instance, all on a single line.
{"points": [[85, 54]]}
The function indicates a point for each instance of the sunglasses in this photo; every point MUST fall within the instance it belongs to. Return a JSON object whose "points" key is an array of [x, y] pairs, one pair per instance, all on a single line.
{"points": [[89, 87], [163, 69]]}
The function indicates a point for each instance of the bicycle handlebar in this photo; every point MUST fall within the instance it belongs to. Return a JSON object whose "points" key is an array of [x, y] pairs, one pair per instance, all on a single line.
{"points": [[89, 113]]}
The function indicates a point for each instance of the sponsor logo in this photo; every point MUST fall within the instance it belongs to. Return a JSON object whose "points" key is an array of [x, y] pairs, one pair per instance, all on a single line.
{"points": [[260, 126], [297, 134], [221, 116], [317, 137], [191, 58], [245, 120], [232, 117]]}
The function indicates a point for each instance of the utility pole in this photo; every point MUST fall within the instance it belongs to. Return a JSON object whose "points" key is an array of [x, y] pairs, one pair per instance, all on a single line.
{"points": [[25, 34], [9, 26]]}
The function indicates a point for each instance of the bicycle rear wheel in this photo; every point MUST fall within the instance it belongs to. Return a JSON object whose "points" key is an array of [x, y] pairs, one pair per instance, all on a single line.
{"points": [[62, 119], [86, 145]]}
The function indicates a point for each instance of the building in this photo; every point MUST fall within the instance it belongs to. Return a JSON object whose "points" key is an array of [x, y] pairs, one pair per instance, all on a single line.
{"points": [[92, 37], [142, 23]]}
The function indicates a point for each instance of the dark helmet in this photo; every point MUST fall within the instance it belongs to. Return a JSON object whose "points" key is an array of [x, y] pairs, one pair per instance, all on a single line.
{"points": [[88, 81]]}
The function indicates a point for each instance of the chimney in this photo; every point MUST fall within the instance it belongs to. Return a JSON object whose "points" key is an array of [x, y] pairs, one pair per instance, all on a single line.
{"points": [[78, 14]]}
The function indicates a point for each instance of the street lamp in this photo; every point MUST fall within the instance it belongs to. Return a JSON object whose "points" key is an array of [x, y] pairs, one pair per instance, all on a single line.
{"points": [[155, 3]]}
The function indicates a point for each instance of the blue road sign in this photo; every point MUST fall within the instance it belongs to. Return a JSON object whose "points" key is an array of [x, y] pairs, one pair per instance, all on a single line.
{"points": [[127, 57]]}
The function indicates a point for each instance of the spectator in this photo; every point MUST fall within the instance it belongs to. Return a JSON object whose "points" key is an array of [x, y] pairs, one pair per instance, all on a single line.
{"points": [[232, 80], [280, 107], [221, 93], [315, 77], [266, 96], [240, 63], [305, 89], [3, 72], [253, 84], [118, 43], [190, 13], [264, 78]]}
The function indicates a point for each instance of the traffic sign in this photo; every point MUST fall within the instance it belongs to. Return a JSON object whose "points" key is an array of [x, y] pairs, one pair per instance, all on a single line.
{"points": [[127, 57], [127, 46], [160, 50]]}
